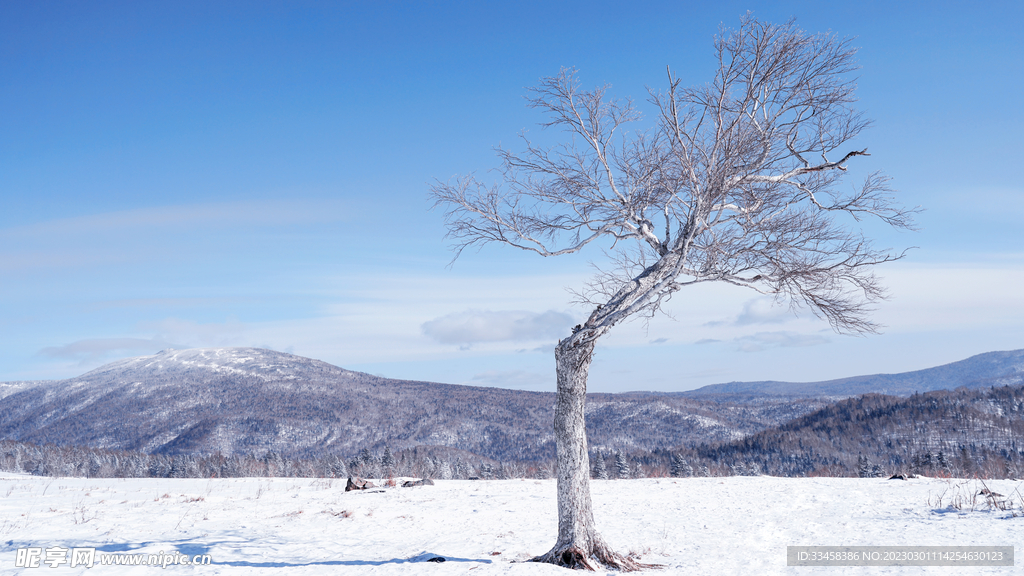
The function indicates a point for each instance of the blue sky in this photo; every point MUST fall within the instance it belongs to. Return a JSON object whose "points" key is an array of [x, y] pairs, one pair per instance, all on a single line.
{"points": [[195, 174]]}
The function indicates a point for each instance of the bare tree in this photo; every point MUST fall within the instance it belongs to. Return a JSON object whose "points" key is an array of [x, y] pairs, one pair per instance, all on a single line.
{"points": [[737, 184]]}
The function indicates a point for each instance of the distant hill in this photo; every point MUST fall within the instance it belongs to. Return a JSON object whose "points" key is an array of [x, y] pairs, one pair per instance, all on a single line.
{"points": [[983, 370], [962, 432], [241, 400]]}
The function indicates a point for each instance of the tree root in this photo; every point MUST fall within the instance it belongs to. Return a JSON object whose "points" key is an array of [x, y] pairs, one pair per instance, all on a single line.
{"points": [[601, 557]]}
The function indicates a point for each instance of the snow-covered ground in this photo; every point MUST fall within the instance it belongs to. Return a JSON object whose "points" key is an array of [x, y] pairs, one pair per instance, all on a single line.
{"points": [[734, 525]]}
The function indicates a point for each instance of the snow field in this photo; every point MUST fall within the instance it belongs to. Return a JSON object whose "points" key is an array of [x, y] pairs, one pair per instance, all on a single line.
{"points": [[729, 525]]}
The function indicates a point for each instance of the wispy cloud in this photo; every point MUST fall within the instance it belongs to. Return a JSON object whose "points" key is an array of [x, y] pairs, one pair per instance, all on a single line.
{"points": [[517, 379], [541, 349], [765, 340], [219, 214], [159, 303], [473, 326], [137, 236], [203, 334], [98, 348], [757, 311], [763, 311]]}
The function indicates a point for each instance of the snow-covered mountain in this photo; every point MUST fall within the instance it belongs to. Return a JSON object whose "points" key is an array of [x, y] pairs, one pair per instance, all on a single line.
{"points": [[980, 371], [240, 400], [249, 400]]}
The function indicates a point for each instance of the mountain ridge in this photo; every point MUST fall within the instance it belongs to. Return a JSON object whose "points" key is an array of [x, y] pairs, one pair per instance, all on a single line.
{"points": [[247, 400], [978, 371], [233, 400]]}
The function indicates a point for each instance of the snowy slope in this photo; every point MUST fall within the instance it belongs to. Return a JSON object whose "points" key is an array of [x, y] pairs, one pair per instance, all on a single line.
{"points": [[8, 388], [732, 525]]}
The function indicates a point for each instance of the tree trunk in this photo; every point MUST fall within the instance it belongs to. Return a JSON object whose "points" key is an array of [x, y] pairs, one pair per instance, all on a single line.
{"points": [[579, 545]]}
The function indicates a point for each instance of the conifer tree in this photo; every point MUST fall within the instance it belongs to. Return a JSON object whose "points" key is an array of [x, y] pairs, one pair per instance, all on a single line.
{"points": [[680, 467], [638, 469], [863, 468], [621, 466], [600, 471]]}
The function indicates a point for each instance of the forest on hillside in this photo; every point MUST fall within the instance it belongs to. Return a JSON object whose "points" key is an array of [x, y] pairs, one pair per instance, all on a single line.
{"points": [[958, 433], [961, 433]]}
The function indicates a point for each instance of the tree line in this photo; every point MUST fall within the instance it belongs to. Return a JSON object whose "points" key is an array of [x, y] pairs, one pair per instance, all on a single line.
{"points": [[959, 433], [77, 461]]}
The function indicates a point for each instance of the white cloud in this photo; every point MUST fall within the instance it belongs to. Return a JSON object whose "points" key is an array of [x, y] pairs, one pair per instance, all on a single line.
{"points": [[938, 313], [539, 349], [175, 235], [473, 326], [765, 340], [95, 349], [757, 311], [204, 335], [763, 311], [954, 296], [516, 379], [213, 214]]}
